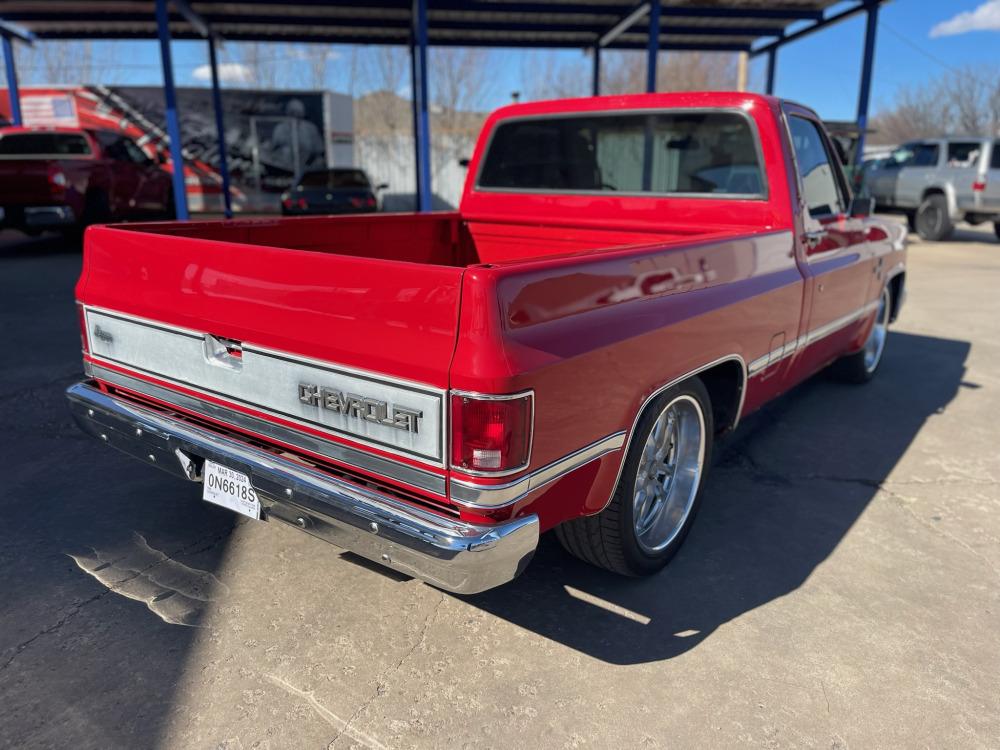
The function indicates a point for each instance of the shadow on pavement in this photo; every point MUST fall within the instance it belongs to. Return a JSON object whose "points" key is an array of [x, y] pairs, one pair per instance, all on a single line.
{"points": [[107, 566], [783, 492], [17, 245]]}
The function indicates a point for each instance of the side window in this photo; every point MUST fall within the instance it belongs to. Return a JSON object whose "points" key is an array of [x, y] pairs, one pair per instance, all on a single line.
{"points": [[135, 154], [925, 155], [115, 146], [963, 153], [819, 181]]}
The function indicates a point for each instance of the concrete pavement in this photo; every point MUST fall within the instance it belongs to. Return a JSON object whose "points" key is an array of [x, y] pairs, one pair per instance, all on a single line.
{"points": [[840, 589]]}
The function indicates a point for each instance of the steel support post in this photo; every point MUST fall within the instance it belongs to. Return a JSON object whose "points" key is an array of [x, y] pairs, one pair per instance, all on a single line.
{"points": [[595, 85], [864, 95], [13, 91], [220, 129], [652, 46], [173, 123], [772, 61], [421, 121]]}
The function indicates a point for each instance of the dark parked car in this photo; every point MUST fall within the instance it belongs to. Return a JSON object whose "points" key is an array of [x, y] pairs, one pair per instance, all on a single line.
{"points": [[331, 191]]}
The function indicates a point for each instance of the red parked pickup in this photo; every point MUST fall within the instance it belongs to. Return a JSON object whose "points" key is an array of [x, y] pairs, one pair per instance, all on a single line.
{"points": [[625, 279], [68, 178]]}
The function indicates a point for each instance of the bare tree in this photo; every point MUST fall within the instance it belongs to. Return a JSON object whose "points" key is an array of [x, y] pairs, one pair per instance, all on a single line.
{"points": [[262, 70], [549, 77], [61, 62], [625, 73], [962, 101], [462, 85]]}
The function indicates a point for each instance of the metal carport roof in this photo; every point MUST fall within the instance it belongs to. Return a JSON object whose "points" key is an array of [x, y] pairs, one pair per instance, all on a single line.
{"points": [[753, 26], [705, 25]]}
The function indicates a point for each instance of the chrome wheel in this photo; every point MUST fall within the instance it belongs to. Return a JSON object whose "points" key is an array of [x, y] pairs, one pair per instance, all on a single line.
{"points": [[875, 344], [668, 474]]}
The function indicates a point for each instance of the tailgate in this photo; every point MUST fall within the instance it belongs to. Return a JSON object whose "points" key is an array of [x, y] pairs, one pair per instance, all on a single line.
{"points": [[24, 182], [351, 348]]}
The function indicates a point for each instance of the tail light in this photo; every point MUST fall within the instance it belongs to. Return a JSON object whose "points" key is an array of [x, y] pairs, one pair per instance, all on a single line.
{"points": [[302, 203], [57, 180], [287, 202], [978, 186], [81, 316], [491, 434], [366, 202]]}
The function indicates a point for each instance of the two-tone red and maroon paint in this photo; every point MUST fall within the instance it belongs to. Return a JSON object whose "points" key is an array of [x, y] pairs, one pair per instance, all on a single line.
{"points": [[590, 302]]}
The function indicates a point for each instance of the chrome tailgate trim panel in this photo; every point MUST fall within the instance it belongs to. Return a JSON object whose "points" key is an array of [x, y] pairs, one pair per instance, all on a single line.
{"points": [[411, 475]]}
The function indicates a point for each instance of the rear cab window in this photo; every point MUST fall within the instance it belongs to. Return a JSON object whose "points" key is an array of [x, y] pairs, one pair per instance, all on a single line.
{"points": [[702, 154], [41, 145]]}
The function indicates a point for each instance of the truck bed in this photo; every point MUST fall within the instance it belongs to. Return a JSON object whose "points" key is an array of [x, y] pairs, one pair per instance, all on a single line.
{"points": [[240, 315], [443, 239]]}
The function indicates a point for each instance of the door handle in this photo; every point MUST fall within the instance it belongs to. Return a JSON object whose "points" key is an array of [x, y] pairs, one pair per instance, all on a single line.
{"points": [[815, 236]]}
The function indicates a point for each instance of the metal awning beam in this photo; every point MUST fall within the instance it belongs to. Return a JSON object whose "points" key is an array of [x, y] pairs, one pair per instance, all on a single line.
{"points": [[198, 23], [214, 20], [638, 13], [320, 38], [789, 13], [813, 28], [14, 31]]}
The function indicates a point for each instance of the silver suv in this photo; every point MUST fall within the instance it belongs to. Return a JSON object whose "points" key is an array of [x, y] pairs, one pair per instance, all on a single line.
{"points": [[939, 181]]}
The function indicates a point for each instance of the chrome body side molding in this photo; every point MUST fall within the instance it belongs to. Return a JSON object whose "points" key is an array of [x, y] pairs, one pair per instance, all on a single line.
{"points": [[454, 555], [776, 355], [497, 495]]}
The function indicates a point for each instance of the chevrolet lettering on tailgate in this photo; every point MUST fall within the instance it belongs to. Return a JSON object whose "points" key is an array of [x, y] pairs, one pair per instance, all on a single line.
{"points": [[360, 407]]}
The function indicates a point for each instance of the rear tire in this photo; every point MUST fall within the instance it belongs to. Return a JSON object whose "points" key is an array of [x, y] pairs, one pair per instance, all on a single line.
{"points": [[996, 229], [933, 221], [861, 366], [911, 220], [659, 491], [96, 209]]}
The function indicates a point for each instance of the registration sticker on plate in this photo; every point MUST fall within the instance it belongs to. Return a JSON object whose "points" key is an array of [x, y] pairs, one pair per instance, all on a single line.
{"points": [[230, 489]]}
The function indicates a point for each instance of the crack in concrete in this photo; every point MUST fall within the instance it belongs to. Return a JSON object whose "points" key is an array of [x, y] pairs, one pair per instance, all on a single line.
{"points": [[309, 696], [80, 606], [947, 535], [380, 681]]}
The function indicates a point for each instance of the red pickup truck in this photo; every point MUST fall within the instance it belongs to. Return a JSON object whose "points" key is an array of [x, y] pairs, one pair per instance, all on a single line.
{"points": [[67, 178], [625, 279]]}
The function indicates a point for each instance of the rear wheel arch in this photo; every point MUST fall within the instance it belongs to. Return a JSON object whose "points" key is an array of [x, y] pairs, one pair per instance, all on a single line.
{"points": [[728, 378], [896, 286], [726, 385]]}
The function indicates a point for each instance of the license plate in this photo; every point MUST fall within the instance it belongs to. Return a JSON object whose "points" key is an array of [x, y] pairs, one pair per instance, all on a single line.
{"points": [[230, 489]]}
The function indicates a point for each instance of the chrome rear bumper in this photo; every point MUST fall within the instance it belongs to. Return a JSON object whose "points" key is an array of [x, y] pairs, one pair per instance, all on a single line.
{"points": [[453, 555]]}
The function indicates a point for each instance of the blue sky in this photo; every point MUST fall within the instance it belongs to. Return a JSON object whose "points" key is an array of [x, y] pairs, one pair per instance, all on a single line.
{"points": [[821, 70]]}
